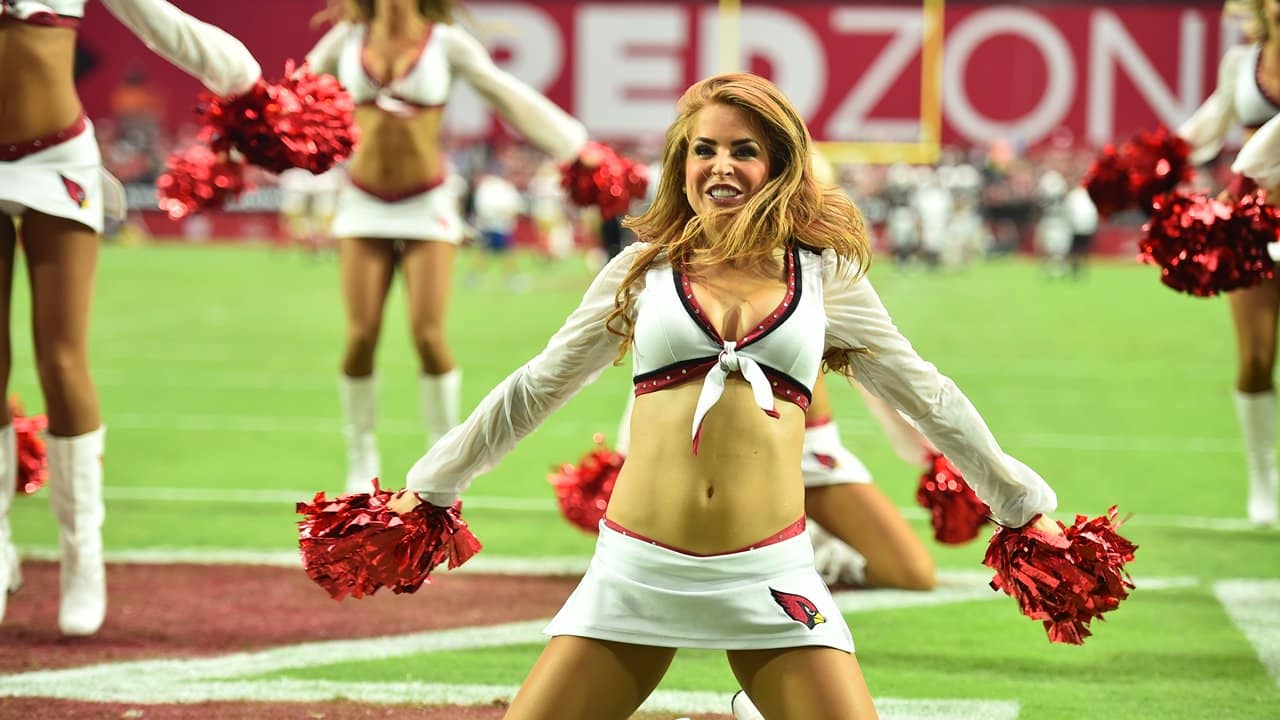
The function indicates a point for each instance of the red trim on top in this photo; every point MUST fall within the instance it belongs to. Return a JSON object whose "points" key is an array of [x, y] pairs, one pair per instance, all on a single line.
{"points": [[418, 105], [19, 150], [417, 58], [1257, 79], [813, 421], [770, 321], [399, 194], [784, 386], [422, 47], [788, 388], [46, 19], [790, 531], [673, 375]]}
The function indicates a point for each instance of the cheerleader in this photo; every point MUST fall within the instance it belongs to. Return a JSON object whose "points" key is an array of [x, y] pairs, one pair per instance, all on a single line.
{"points": [[703, 541], [1248, 95], [54, 195], [398, 58]]}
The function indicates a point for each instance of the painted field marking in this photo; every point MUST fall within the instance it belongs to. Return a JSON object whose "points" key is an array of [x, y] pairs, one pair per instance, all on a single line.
{"points": [[311, 425], [953, 585], [216, 679], [221, 678], [1254, 608], [548, 505]]}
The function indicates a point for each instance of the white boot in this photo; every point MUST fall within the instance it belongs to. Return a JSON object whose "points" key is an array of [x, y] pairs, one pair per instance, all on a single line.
{"points": [[75, 492], [1257, 414], [359, 419], [10, 573], [743, 708], [441, 403], [834, 559]]}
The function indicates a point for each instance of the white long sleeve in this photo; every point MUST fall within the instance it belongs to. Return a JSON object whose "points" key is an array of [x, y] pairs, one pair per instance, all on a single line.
{"points": [[1208, 126], [1259, 158], [576, 355], [891, 369], [538, 119], [323, 58], [218, 60]]}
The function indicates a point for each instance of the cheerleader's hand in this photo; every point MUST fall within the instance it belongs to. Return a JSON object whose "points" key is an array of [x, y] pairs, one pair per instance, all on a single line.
{"points": [[1047, 525], [403, 502], [592, 155]]}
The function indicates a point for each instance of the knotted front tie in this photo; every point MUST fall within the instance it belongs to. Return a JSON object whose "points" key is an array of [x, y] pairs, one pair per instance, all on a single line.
{"points": [[713, 386]]}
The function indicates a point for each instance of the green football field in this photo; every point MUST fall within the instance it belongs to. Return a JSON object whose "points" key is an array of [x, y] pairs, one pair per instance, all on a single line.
{"points": [[217, 368]]}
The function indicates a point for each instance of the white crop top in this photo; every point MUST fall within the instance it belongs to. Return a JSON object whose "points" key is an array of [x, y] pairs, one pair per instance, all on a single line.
{"points": [[1253, 105], [675, 342], [53, 13], [449, 50], [1237, 100], [424, 84], [852, 318]]}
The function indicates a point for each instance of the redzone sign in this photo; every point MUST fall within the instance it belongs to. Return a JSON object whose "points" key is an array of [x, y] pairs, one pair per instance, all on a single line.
{"points": [[1086, 73]]}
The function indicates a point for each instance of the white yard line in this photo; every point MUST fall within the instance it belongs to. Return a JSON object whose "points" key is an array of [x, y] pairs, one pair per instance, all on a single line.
{"points": [[1254, 607], [218, 679], [548, 505], [584, 429], [231, 677]]}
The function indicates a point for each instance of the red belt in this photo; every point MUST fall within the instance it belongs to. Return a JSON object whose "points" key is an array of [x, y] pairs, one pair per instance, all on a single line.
{"points": [[16, 151]]}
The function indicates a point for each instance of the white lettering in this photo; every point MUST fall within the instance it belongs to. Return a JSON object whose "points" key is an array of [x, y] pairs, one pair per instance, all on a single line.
{"points": [[630, 67], [790, 46], [850, 118], [1060, 88], [1111, 47]]}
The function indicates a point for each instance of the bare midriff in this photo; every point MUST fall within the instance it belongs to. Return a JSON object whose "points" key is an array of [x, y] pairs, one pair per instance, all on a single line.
{"points": [[397, 153], [37, 88], [743, 485]]}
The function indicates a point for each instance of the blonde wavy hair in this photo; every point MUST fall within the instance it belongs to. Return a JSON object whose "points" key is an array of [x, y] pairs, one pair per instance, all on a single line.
{"points": [[433, 10], [791, 208], [1252, 16]]}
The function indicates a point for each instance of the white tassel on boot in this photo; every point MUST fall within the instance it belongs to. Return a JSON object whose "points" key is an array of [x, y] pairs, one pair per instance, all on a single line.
{"points": [[1257, 414], [10, 573], [441, 403], [359, 422], [75, 492]]}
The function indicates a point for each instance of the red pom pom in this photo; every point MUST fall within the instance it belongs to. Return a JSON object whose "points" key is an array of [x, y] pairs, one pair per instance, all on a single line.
{"points": [[954, 509], [1158, 162], [354, 544], [1108, 183], [1066, 580], [33, 462], [305, 121], [1204, 246], [1147, 164], [583, 490], [602, 177], [198, 178]]}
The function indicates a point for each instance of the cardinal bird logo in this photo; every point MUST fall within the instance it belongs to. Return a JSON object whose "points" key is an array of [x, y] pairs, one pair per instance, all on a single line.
{"points": [[76, 191], [798, 608], [827, 461]]}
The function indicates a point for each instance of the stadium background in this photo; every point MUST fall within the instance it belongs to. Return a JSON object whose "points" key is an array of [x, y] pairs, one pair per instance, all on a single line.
{"points": [[217, 366]]}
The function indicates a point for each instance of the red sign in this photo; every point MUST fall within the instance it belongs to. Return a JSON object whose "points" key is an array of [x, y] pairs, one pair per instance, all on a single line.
{"points": [[1083, 73]]}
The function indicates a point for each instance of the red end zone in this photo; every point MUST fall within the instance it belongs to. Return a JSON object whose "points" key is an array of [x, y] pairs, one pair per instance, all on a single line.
{"points": [[191, 611]]}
